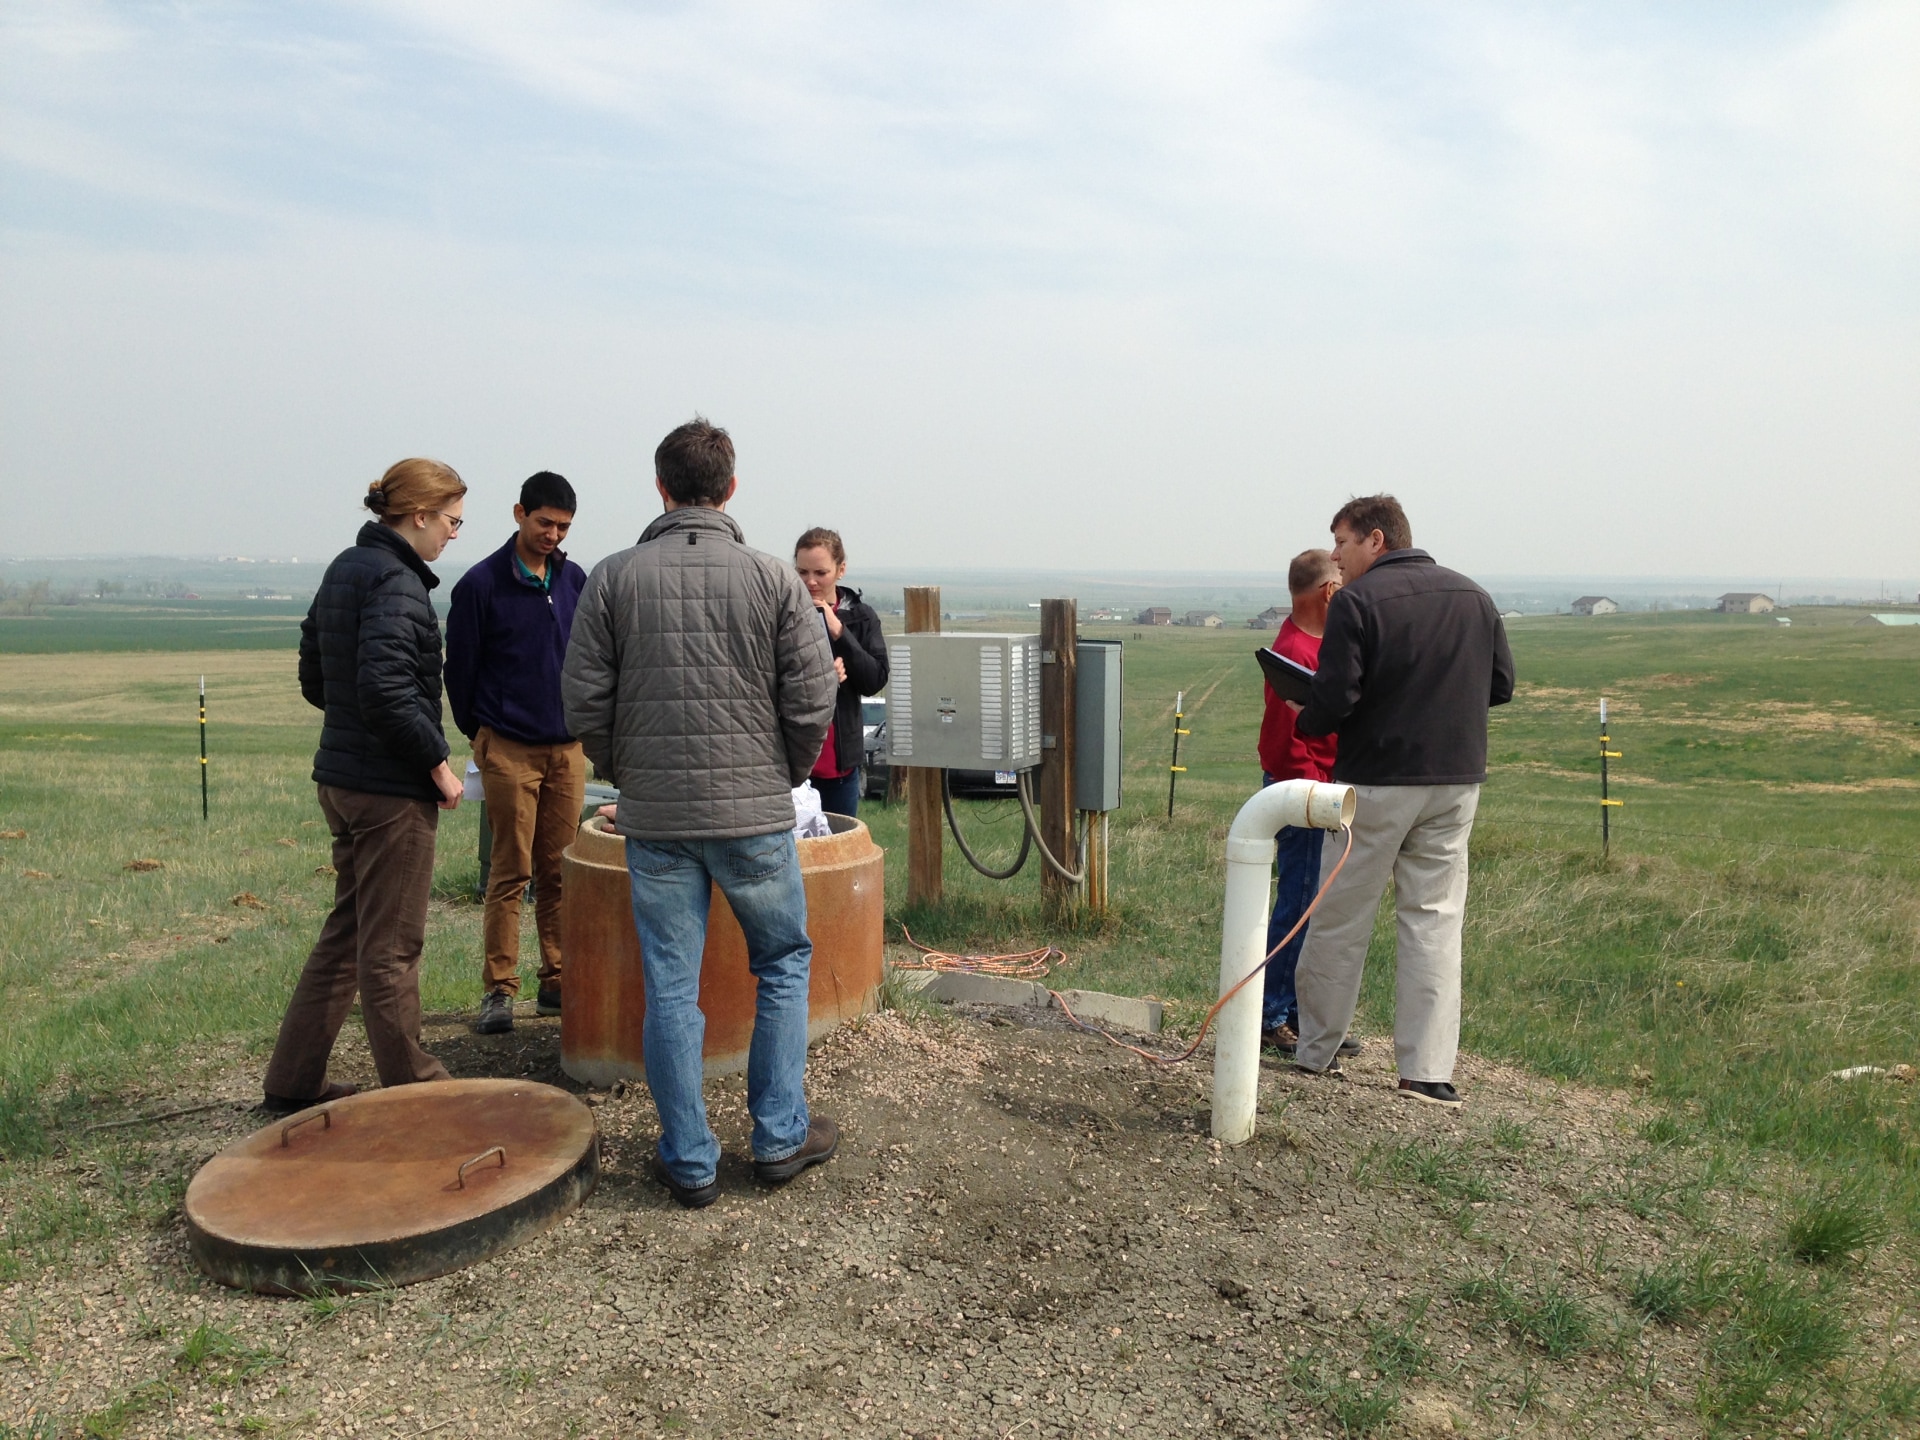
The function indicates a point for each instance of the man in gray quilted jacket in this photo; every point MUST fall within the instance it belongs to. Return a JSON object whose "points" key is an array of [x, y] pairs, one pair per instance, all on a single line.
{"points": [[700, 681]]}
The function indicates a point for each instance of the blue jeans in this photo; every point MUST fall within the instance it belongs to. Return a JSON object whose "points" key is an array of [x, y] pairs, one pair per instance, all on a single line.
{"points": [[1299, 865], [841, 796], [672, 884]]}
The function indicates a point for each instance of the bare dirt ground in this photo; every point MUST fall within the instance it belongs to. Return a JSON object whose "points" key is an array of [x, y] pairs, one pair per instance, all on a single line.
{"points": [[1027, 1233]]}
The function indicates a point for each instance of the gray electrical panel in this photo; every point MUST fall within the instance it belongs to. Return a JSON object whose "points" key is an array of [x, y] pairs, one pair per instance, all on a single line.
{"points": [[963, 702], [1096, 725]]}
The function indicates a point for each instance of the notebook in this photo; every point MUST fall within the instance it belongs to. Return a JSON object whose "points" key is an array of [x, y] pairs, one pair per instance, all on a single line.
{"points": [[1290, 680]]}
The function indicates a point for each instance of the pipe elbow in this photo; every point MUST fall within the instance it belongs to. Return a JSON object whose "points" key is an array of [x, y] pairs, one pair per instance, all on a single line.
{"points": [[1310, 804]]}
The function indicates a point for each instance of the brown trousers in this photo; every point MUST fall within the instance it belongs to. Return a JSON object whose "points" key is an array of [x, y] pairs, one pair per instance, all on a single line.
{"points": [[534, 794], [383, 855]]}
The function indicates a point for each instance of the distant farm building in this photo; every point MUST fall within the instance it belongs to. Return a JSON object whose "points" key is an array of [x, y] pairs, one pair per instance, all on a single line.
{"points": [[1202, 620], [1745, 603], [1154, 615], [1595, 605], [1896, 618], [1269, 618]]}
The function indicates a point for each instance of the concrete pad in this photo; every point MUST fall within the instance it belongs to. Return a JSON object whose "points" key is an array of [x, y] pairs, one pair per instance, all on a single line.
{"points": [[956, 987], [1115, 1012]]}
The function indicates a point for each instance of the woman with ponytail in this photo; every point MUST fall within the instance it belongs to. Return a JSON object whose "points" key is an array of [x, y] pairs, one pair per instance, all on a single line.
{"points": [[370, 660]]}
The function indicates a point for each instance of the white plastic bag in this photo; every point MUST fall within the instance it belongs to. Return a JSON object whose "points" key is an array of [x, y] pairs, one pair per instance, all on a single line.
{"points": [[809, 820], [473, 789]]}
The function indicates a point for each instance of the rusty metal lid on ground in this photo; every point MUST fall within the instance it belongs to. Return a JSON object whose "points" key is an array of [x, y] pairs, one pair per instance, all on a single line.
{"points": [[391, 1186]]}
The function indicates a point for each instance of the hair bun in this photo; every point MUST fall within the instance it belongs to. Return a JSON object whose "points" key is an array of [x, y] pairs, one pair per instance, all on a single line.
{"points": [[376, 497]]}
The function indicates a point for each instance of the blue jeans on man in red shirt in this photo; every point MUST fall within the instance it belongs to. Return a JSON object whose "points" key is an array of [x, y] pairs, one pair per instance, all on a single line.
{"points": [[1298, 863]]}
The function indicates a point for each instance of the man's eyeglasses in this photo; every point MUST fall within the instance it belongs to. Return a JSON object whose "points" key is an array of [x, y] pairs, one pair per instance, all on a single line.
{"points": [[455, 520]]}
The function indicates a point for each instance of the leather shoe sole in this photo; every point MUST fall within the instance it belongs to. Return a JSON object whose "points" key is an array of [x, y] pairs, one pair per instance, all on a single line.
{"points": [[287, 1105], [823, 1139], [690, 1197]]}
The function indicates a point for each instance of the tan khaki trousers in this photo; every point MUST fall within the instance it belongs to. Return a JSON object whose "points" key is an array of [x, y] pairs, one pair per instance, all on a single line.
{"points": [[534, 793], [1417, 836], [383, 859]]}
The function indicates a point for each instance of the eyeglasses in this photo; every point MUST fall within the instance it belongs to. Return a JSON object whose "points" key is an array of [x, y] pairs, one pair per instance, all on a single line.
{"points": [[455, 520]]}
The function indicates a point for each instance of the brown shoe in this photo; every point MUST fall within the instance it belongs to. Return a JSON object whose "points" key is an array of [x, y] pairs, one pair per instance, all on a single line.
{"points": [[823, 1138], [286, 1105]]}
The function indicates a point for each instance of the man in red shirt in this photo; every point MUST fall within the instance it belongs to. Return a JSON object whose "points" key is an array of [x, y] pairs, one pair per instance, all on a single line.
{"points": [[1285, 754]]}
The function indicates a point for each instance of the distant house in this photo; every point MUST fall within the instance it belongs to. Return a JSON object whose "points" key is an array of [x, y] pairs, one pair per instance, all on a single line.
{"points": [[1509, 614], [1595, 605], [1269, 618], [1744, 603], [1203, 620], [1154, 615]]}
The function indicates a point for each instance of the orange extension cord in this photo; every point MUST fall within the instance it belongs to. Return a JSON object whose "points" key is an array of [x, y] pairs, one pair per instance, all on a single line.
{"points": [[1025, 965], [1033, 964], [1245, 980]]}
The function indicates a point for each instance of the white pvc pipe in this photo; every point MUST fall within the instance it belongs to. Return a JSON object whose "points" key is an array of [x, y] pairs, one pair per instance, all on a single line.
{"points": [[1243, 937]]}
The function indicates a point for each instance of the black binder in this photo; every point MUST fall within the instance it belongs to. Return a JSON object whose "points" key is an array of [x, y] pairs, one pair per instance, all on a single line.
{"points": [[1289, 679]]}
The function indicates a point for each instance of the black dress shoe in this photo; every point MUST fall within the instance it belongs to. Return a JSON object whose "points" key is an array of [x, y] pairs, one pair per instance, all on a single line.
{"points": [[287, 1105], [548, 1001], [823, 1138], [691, 1197]]}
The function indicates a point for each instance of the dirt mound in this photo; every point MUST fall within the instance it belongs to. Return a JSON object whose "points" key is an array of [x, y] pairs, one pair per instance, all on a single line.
{"points": [[1027, 1233]]}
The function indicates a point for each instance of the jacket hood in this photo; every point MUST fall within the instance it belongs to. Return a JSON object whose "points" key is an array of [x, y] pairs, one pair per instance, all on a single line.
{"points": [[694, 517], [381, 536], [849, 594]]}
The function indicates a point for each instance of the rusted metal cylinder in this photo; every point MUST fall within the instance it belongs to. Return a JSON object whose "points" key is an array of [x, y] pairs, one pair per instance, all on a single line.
{"points": [[606, 1000]]}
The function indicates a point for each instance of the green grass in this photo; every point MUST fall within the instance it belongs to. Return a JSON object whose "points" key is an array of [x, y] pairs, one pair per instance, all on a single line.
{"points": [[1545, 1315], [1834, 1226], [1752, 931]]}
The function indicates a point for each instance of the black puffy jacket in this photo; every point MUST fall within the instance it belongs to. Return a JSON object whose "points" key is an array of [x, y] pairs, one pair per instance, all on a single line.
{"points": [[865, 654], [370, 658]]}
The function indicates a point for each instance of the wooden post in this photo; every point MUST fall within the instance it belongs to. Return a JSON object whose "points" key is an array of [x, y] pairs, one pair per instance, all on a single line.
{"points": [[1093, 825], [924, 859], [1059, 635]]}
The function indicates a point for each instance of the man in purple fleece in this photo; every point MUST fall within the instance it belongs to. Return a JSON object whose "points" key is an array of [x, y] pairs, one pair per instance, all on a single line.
{"points": [[506, 638]]}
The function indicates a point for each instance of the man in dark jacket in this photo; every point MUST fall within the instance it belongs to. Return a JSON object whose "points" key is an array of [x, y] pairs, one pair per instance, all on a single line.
{"points": [[700, 680], [1413, 657], [506, 640]]}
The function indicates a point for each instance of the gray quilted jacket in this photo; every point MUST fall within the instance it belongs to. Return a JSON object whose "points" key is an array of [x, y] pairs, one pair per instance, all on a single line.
{"points": [[699, 679]]}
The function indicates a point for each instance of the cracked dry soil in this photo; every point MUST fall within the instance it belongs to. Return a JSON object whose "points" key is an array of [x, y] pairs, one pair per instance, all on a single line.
{"points": [[1026, 1233]]}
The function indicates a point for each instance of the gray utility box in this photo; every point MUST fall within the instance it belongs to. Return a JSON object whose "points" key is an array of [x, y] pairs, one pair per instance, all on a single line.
{"points": [[1096, 725], [963, 702]]}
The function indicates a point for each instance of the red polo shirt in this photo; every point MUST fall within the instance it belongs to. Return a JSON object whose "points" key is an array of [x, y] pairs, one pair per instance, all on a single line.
{"points": [[1284, 754]]}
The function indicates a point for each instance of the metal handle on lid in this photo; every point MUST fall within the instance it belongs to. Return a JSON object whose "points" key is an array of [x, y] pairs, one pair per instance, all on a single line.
{"points": [[460, 1180], [286, 1131]]}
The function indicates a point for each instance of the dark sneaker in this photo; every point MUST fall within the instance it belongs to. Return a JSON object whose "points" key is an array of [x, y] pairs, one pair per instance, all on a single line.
{"points": [[1280, 1038], [1432, 1092], [548, 1002], [689, 1197], [1349, 1048], [287, 1105], [1332, 1072], [823, 1138], [496, 1013]]}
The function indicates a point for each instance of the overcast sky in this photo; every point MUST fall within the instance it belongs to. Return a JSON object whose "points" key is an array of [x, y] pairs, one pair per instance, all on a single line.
{"points": [[1595, 288]]}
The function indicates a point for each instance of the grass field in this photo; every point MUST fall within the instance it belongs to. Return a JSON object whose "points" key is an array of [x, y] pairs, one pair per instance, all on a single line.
{"points": [[1755, 929]]}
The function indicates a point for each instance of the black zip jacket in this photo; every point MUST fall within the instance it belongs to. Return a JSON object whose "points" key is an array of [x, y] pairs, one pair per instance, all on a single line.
{"points": [[1413, 657], [865, 652], [370, 659]]}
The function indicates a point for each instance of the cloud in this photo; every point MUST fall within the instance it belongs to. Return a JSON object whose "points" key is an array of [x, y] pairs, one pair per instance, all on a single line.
{"points": [[1632, 284]]}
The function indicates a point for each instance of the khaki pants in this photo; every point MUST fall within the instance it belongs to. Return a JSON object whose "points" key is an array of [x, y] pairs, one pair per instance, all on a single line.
{"points": [[534, 793], [1417, 835], [383, 856]]}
